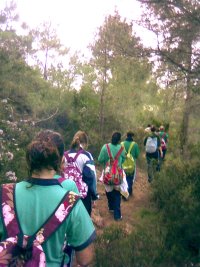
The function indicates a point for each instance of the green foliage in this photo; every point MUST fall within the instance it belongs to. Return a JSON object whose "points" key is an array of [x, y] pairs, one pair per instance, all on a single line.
{"points": [[112, 249], [176, 198], [125, 85], [117, 92], [14, 138], [178, 70], [143, 247], [168, 232]]}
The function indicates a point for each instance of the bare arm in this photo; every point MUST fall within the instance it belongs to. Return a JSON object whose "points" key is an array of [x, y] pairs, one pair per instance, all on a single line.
{"points": [[85, 256], [161, 153]]}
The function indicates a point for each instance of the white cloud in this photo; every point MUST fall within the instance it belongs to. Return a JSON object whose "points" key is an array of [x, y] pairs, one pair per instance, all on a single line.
{"points": [[76, 21]]}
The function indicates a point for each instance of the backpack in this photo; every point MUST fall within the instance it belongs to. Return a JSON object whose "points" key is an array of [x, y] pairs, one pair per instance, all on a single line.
{"points": [[22, 250], [129, 163], [151, 144], [163, 142], [113, 174], [71, 171]]}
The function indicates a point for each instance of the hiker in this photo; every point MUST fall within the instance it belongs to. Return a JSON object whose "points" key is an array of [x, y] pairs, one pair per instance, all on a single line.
{"points": [[56, 138], [130, 170], [164, 140], [86, 181], [153, 153], [113, 192], [36, 199], [148, 129]]}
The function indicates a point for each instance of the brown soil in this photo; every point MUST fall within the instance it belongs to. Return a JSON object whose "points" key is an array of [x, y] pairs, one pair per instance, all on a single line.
{"points": [[103, 218]]}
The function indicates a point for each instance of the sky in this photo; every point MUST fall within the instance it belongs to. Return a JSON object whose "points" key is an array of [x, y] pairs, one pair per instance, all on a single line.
{"points": [[76, 21]]}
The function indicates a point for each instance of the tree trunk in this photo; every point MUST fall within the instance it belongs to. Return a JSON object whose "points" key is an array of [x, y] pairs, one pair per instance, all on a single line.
{"points": [[187, 107], [45, 65], [102, 100]]}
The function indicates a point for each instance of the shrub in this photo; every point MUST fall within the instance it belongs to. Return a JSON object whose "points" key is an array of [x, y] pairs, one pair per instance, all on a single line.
{"points": [[176, 196], [168, 233], [112, 248]]}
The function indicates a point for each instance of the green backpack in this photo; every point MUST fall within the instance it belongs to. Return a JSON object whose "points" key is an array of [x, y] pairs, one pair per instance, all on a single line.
{"points": [[129, 163]]}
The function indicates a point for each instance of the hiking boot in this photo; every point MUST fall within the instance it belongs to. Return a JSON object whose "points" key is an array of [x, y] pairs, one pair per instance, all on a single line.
{"points": [[118, 219], [125, 199]]}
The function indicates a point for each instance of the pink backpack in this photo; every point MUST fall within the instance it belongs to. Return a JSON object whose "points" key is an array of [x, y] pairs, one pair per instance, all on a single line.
{"points": [[71, 171], [22, 250]]}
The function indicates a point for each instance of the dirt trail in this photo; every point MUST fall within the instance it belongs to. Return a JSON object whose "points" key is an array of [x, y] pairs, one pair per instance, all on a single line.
{"points": [[103, 218]]}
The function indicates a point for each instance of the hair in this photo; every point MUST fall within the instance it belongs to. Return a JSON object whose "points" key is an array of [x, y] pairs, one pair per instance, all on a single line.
{"points": [[130, 134], [162, 128], [80, 137], [45, 152], [55, 137], [116, 138], [153, 129]]}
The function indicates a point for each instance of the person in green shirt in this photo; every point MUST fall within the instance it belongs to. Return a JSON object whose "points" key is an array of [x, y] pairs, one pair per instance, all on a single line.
{"points": [[164, 140], [38, 196], [153, 150], [135, 151], [112, 191]]}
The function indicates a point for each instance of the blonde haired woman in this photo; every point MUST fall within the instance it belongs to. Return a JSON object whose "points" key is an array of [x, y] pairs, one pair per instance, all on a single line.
{"points": [[85, 164]]}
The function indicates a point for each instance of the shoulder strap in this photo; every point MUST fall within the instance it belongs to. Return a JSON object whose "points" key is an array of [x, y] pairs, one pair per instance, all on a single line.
{"points": [[78, 153], [119, 152], [109, 152], [61, 179], [59, 215], [130, 147], [8, 214], [122, 143], [66, 154]]}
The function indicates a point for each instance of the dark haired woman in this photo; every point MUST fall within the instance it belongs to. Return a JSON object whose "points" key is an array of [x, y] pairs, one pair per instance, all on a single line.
{"points": [[129, 143], [113, 192], [39, 195]]}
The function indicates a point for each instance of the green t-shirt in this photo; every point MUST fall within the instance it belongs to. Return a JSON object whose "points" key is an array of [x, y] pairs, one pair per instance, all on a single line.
{"points": [[164, 135], [68, 183], [104, 157], [35, 203], [135, 151]]}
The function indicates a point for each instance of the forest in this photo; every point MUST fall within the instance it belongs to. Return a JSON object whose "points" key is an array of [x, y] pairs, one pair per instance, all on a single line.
{"points": [[122, 86]]}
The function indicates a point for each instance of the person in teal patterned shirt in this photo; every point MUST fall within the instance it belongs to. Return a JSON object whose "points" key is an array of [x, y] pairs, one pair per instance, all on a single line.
{"points": [[38, 196]]}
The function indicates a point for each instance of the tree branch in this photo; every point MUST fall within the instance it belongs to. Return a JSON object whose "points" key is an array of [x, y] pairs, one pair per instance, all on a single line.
{"points": [[46, 119]]}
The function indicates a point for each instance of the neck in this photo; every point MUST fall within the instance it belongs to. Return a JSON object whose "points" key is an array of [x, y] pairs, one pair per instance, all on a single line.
{"points": [[83, 146], [44, 174]]}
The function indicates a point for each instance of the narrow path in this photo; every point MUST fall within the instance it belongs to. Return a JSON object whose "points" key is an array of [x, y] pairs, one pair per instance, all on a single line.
{"points": [[103, 218]]}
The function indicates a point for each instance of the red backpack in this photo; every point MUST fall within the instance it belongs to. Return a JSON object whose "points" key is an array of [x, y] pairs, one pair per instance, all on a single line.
{"points": [[113, 174], [163, 142], [22, 250]]}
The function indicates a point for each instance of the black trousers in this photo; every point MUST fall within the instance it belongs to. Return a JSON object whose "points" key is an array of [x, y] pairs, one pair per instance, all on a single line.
{"points": [[114, 203], [87, 201]]}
